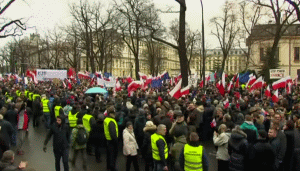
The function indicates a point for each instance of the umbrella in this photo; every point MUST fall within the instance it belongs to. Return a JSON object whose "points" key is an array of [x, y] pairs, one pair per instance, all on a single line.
{"points": [[96, 90]]}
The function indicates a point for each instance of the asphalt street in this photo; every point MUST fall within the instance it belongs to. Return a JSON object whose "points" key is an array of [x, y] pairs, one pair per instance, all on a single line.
{"points": [[38, 160]]}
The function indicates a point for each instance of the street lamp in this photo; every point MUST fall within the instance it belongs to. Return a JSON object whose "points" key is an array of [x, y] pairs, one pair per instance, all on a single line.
{"points": [[203, 46]]}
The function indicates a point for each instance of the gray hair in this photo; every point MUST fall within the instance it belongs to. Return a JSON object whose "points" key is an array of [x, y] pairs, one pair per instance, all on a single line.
{"points": [[160, 127]]}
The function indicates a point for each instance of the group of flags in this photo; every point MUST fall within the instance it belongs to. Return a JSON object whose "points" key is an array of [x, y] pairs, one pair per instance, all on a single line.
{"points": [[251, 84]]}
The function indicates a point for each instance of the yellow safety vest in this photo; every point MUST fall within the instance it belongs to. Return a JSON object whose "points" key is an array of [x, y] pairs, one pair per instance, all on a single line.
{"points": [[56, 111], [35, 96], [86, 122], [18, 93], [45, 106], [193, 157], [26, 93], [72, 119], [106, 127], [30, 96], [155, 153]]}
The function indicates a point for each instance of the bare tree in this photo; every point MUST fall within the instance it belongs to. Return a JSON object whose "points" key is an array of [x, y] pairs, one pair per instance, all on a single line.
{"points": [[283, 16], [226, 29], [153, 54], [181, 47], [134, 16], [72, 48], [296, 6], [10, 27], [250, 15], [56, 51], [193, 40], [82, 14]]}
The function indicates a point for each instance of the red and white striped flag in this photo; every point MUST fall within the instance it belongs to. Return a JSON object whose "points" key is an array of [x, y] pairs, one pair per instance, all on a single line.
{"points": [[268, 92], [275, 98], [176, 92]]}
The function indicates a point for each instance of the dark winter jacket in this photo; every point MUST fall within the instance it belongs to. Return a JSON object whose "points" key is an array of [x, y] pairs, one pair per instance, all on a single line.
{"points": [[8, 166], [146, 147], [139, 124], [6, 131], [97, 136], [61, 136], [290, 146], [275, 143], [11, 116], [238, 150], [251, 131], [261, 156]]}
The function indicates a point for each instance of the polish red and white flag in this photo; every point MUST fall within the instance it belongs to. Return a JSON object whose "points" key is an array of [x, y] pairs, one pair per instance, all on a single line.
{"points": [[237, 82], [185, 90], [176, 92], [258, 84], [268, 92], [281, 83], [275, 98]]}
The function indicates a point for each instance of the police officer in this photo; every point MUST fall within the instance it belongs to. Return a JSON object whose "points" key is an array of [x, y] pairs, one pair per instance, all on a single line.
{"points": [[72, 117], [46, 110], [58, 111], [88, 120], [193, 156], [35, 95], [159, 148], [111, 132]]}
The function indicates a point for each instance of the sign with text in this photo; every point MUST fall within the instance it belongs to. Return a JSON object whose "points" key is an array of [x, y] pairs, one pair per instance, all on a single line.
{"points": [[277, 73], [46, 75]]}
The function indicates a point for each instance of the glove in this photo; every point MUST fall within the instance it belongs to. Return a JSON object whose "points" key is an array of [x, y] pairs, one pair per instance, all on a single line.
{"points": [[45, 149]]}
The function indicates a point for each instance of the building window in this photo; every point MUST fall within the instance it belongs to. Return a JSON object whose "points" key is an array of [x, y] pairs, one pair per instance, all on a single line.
{"points": [[219, 53], [296, 53], [261, 53], [236, 52]]}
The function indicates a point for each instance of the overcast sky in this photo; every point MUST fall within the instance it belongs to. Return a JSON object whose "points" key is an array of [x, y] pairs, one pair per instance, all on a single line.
{"points": [[46, 14]]}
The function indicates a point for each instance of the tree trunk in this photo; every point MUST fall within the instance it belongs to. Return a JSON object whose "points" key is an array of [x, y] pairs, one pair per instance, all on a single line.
{"points": [[136, 54], [182, 47], [92, 59], [223, 61]]}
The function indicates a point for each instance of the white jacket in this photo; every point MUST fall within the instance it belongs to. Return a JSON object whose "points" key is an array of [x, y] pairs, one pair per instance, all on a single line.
{"points": [[130, 146], [222, 142]]}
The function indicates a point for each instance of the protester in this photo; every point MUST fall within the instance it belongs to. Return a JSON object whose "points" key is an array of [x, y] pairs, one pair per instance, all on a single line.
{"points": [[7, 162], [221, 141], [60, 132], [193, 156], [79, 138], [146, 149], [130, 147]]}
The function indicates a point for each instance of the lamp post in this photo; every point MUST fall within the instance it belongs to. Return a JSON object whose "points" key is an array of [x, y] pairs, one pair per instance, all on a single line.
{"points": [[203, 47]]}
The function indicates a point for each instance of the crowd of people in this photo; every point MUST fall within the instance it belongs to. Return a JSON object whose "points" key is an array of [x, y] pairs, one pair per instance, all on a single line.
{"points": [[251, 132]]}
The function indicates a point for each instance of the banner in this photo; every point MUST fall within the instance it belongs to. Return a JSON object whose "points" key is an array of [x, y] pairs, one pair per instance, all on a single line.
{"points": [[102, 82], [277, 73], [46, 75]]}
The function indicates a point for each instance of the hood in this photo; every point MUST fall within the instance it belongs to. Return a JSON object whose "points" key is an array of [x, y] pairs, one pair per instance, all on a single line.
{"points": [[80, 126], [181, 139], [151, 129], [238, 134], [129, 105], [200, 108]]}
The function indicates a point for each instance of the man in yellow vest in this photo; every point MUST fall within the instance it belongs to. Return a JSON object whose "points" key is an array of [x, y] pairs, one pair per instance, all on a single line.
{"points": [[46, 110], [159, 148], [88, 120], [111, 132], [58, 111], [193, 157], [72, 117]]}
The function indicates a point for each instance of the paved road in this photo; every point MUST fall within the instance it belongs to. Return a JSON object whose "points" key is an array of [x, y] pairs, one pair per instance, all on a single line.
{"points": [[40, 161]]}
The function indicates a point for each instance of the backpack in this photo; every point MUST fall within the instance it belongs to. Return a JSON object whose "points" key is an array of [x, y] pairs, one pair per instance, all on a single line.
{"points": [[81, 137]]}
